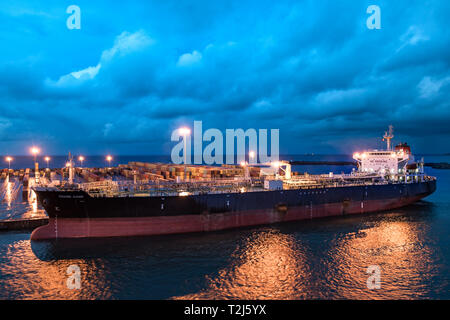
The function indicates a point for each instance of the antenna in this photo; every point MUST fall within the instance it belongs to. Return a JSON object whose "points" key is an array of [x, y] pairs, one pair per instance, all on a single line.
{"points": [[388, 135]]}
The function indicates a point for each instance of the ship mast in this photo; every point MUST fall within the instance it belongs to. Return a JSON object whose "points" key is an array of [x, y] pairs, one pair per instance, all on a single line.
{"points": [[388, 135]]}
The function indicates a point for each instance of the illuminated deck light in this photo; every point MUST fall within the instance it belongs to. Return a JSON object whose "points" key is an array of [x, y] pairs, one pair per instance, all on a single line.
{"points": [[9, 159], [81, 159]]}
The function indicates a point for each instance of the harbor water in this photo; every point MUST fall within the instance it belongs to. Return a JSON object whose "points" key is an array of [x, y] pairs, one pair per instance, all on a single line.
{"points": [[320, 259]]}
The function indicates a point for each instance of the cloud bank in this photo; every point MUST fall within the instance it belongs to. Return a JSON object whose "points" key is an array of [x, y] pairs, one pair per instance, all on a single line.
{"points": [[309, 68]]}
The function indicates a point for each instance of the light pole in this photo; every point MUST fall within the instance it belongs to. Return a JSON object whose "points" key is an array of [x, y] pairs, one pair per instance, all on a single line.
{"points": [[47, 159], [185, 132], [35, 151], [251, 156], [81, 159], [109, 159], [9, 159]]}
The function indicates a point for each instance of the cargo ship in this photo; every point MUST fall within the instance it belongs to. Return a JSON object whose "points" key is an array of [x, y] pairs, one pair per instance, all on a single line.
{"points": [[383, 180]]}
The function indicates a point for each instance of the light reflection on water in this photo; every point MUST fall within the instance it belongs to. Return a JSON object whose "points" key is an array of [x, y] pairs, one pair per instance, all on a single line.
{"points": [[23, 276], [267, 266], [405, 261], [272, 265], [322, 259], [14, 204]]}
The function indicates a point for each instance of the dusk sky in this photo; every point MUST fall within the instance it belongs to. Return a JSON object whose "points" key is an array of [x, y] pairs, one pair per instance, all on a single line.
{"points": [[136, 70]]}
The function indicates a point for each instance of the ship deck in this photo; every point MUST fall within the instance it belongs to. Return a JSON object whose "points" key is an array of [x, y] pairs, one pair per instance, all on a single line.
{"points": [[109, 188]]}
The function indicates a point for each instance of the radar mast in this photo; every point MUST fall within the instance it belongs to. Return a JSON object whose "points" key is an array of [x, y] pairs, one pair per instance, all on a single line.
{"points": [[388, 135]]}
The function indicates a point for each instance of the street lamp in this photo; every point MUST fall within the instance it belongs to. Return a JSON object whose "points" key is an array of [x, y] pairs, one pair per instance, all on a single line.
{"points": [[35, 151], [47, 159], [81, 159], [251, 155], [109, 159], [184, 132], [9, 159]]}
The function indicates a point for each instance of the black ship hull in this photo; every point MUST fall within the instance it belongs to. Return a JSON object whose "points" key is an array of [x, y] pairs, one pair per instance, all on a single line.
{"points": [[75, 214]]}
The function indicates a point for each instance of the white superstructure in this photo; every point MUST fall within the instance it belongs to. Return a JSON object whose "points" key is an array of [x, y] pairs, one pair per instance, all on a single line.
{"points": [[383, 161]]}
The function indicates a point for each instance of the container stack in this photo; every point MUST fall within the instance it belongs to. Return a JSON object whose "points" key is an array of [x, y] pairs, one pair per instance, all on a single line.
{"points": [[143, 171]]}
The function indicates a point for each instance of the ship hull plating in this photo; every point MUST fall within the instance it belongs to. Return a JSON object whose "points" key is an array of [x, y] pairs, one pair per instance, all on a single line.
{"points": [[74, 214]]}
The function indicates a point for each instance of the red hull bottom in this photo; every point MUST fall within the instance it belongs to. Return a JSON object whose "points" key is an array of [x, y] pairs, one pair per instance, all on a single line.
{"points": [[122, 227]]}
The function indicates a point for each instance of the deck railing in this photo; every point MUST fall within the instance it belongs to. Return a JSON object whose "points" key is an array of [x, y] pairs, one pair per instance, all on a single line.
{"points": [[109, 188]]}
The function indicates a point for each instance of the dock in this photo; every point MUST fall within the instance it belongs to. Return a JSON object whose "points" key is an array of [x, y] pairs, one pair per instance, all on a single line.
{"points": [[438, 165]]}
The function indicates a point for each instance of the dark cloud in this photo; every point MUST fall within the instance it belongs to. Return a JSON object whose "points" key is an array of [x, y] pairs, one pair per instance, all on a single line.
{"points": [[135, 72]]}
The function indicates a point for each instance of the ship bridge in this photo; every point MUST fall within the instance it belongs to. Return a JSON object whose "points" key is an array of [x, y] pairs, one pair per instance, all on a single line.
{"points": [[384, 161]]}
